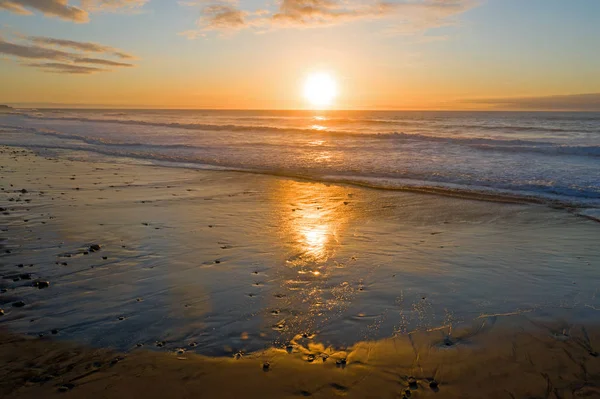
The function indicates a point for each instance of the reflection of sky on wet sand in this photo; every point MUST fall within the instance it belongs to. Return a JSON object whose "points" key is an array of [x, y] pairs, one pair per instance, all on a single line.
{"points": [[294, 257], [311, 222]]}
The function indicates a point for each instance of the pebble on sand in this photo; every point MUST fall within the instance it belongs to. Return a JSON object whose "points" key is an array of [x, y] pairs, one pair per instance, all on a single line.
{"points": [[412, 383], [41, 284], [94, 247], [18, 304], [66, 388], [266, 366]]}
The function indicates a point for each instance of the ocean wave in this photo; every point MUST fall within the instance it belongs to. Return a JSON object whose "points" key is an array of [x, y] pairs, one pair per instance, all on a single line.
{"points": [[484, 144], [326, 122]]}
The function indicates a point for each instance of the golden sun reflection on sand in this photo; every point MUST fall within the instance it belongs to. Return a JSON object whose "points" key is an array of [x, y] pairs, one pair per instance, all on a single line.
{"points": [[314, 215]]}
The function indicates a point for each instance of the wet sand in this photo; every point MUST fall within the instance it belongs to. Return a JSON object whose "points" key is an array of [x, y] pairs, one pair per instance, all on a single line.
{"points": [[482, 299], [492, 359]]}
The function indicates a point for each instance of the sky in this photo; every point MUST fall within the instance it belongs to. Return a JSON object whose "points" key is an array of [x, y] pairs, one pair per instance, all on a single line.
{"points": [[257, 54]]}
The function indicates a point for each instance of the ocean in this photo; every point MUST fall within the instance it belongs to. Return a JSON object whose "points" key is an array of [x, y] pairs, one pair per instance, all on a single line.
{"points": [[542, 157]]}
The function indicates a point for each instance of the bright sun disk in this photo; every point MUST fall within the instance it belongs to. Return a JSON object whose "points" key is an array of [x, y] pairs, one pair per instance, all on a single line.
{"points": [[320, 89]]}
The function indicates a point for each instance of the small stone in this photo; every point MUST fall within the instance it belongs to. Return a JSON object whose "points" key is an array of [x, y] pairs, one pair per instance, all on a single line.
{"points": [[266, 366], [24, 191], [433, 384], [139, 345], [18, 304], [310, 358], [412, 383], [193, 344], [341, 362], [1, 312], [116, 360], [41, 284], [66, 388], [54, 331], [94, 247], [105, 257], [121, 318]]}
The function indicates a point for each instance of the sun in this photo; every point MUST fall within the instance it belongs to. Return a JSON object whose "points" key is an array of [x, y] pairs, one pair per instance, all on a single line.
{"points": [[320, 89]]}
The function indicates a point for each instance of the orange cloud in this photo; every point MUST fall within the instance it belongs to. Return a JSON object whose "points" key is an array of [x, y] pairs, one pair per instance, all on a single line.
{"points": [[55, 60], [407, 16], [53, 8]]}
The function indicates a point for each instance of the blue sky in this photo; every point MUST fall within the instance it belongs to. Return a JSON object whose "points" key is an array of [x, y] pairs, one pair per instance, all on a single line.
{"points": [[416, 54]]}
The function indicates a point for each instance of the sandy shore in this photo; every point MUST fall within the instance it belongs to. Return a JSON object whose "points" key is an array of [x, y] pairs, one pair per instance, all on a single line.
{"points": [[485, 361], [481, 299]]}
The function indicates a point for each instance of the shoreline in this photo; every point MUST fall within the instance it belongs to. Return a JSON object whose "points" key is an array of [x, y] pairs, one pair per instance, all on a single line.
{"points": [[451, 190]]}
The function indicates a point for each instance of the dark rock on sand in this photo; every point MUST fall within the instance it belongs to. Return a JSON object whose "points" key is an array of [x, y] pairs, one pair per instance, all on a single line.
{"points": [[66, 388], [94, 247], [266, 366], [105, 257], [433, 384], [1, 312], [41, 284], [412, 383], [54, 331], [18, 304], [25, 276]]}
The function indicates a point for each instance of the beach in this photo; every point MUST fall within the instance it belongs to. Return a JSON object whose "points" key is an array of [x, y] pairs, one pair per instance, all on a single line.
{"points": [[287, 286]]}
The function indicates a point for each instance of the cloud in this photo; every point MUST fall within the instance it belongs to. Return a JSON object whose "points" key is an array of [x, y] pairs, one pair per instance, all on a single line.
{"points": [[111, 5], [81, 46], [571, 102], [53, 8], [100, 61], [57, 67], [64, 10], [406, 16], [50, 59]]}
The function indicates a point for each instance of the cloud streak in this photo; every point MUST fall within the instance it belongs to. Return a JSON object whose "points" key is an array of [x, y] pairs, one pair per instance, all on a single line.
{"points": [[57, 67], [64, 9], [81, 46], [50, 59], [405, 16], [53, 8]]}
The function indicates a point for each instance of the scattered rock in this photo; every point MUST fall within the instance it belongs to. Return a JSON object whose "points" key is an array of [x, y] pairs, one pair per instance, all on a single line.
{"points": [[1, 312], [66, 388], [25, 276], [94, 247], [412, 383], [18, 304], [193, 344], [105, 257], [54, 331], [41, 284], [433, 384], [266, 366], [24, 191]]}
